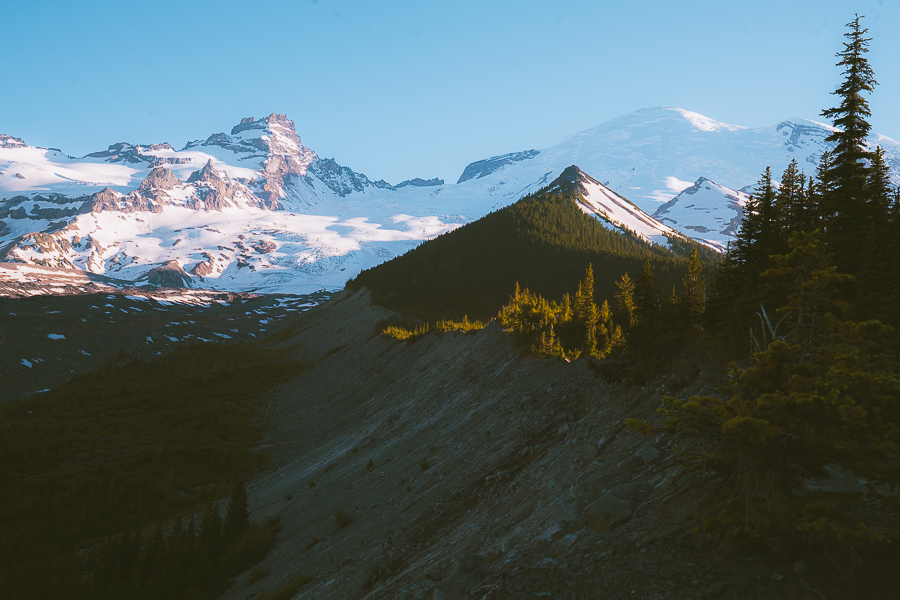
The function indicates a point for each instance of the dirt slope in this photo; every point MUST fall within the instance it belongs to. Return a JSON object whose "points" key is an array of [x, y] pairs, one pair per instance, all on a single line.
{"points": [[467, 471]]}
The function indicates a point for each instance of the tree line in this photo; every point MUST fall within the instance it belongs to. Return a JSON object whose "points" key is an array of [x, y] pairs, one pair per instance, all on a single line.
{"points": [[809, 288]]}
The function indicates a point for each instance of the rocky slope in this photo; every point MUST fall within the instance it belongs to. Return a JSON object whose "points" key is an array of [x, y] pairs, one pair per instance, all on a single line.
{"points": [[454, 467]]}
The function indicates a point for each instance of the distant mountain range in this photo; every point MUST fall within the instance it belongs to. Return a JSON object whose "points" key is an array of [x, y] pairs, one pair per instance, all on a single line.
{"points": [[256, 210]]}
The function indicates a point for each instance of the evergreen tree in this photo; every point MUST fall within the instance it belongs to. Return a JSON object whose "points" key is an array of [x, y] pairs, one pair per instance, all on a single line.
{"points": [[877, 243], [565, 314], [812, 281], [823, 394], [693, 299], [591, 322], [646, 295], [625, 301], [792, 205], [588, 283], [739, 289], [845, 206]]}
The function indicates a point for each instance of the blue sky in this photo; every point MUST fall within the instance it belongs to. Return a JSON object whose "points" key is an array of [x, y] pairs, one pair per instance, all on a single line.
{"points": [[398, 89]]}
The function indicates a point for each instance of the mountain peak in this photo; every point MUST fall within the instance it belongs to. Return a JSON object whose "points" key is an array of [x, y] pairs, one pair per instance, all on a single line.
{"points": [[265, 123], [572, 181], [8, 141]]}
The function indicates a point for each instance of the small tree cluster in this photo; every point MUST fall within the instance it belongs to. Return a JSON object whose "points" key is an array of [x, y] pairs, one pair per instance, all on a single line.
{"points": [[190, 562]]}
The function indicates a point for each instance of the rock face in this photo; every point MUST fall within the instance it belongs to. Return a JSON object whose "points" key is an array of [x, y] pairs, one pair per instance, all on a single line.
{"points": [[206, 267], [482, 168], [215, 191], [286, 153], [105, 199], [123, 152], [8, 141], [419, 182], [110, 200], [169, 274], [159, 178], [342, 180]]}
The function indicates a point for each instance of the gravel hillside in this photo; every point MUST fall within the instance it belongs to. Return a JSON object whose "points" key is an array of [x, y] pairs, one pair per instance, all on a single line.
{"points": [[455, 467]]}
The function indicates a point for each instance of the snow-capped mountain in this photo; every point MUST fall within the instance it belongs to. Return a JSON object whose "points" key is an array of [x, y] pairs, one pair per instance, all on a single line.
{"points": [[254, 209], [655, 155], [611, 209], [723, 207]]}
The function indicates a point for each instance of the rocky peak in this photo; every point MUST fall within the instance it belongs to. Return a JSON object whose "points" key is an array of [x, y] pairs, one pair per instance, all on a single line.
{"points": [[208, 173], [214, 191], [159, 178], [8, 141], [169, 274], [105, 199], [419, 182], [122, 152], [482, 168], [571, 181]]}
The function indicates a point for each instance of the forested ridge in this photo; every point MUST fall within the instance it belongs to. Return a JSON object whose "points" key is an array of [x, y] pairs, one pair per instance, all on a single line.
{"points": [[543, 242]]}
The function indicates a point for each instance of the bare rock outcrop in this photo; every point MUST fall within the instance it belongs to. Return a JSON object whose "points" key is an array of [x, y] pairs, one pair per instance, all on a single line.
{"points": [[8, 141], [169, 274], [205, 267], [213, 191], [110, 200], [160, 178]]}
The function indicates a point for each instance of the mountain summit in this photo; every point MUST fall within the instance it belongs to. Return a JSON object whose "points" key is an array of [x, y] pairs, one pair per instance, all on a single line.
{"points": [[611, 209]]}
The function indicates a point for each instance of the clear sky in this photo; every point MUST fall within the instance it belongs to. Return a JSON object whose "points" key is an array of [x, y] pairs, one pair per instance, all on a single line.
{"points": [[400, 89]]}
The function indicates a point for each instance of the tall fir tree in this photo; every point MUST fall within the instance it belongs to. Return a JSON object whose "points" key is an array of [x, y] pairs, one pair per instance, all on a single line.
{"points": [[625, 301], [878, 245], [792, 205], [845, 206], [646, 295], [693, 298]]}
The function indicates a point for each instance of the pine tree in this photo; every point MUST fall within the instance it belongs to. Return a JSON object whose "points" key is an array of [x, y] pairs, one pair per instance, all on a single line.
{"points": [[807, 272], [845, 206], [579, 306], [739, 289], [565, 313], [693, 298], [591, 321], [877, 241], [625, 301], [588, 283], [817, 397], [792, 205], [646, 296]]}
